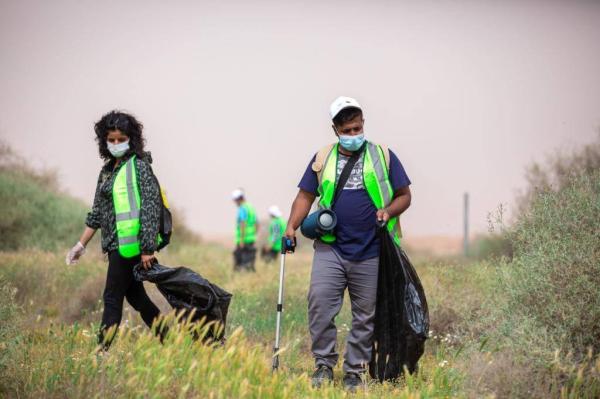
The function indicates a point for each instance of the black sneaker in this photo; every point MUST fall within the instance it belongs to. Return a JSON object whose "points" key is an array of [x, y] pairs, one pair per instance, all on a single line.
{"points": [[322, 374], [352, 381]]}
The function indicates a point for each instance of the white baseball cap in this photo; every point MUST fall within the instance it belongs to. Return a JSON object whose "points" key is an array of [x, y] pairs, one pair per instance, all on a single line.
{"points": [[340, 103], [237, 194], [274, 211]]}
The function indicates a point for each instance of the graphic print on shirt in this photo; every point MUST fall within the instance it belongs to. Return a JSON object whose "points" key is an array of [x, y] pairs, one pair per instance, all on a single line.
{"points": [[355, 180]]}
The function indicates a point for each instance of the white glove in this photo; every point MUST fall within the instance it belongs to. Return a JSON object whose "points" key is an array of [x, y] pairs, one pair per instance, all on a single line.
{"points": [[75, 253]]}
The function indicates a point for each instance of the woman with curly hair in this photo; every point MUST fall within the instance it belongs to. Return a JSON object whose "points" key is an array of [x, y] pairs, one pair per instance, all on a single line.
{"points": [[126, 208]]}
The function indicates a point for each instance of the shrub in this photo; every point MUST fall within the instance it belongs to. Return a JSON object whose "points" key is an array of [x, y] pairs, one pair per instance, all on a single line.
{"points": [[492, 246], [35, 213], [555, 274], [559, 171]]}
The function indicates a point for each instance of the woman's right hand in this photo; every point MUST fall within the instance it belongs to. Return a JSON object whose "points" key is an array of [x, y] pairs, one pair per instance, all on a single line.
{"points": [[75, 253]]}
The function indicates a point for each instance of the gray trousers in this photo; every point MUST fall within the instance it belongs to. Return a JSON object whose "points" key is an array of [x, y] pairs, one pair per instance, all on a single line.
{"points": [[330, 276]]}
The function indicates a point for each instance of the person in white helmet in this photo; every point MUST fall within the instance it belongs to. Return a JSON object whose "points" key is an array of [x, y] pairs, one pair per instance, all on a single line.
{"points": [[276, 230], [246, 230], [375, 192]]}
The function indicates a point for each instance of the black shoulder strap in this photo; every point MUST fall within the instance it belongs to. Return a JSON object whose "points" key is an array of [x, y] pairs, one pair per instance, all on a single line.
{"points": [[346, 172]]}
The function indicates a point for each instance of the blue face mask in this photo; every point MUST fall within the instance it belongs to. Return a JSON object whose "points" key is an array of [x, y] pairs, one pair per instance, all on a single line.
{"points": [[352, 143]]}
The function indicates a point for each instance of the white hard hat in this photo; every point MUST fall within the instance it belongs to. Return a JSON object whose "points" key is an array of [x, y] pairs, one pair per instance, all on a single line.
{"points": [[340, 103], [274, 211], [237, 194]]}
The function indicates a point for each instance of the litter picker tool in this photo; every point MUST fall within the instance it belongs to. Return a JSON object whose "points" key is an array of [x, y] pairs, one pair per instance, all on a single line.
{"points": [[287, 245]]}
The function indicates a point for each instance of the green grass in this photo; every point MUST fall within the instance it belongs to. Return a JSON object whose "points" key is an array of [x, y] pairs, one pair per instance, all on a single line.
{"points": [[471, 353], [516, 325], [54, 355]]}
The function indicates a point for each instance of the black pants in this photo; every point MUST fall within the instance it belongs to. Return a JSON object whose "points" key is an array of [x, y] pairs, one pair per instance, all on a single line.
{"points": [[120, 284], [244, 257], [268, 255]]}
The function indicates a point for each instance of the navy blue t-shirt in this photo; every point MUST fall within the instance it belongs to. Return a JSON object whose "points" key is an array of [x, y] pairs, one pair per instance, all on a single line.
{"points": [[356, 230]]}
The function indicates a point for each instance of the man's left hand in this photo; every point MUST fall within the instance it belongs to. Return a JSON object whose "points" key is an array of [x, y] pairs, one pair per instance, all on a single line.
{"points": [[383, 215]]}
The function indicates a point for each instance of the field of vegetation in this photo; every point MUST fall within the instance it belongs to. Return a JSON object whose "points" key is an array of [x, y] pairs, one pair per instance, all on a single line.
{"points": [[519, 318]]}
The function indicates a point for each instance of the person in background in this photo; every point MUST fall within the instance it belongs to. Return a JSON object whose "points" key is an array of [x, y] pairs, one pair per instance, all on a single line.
{"points": [[376, 192], [276, 229], [244, 255], [126, 209]]}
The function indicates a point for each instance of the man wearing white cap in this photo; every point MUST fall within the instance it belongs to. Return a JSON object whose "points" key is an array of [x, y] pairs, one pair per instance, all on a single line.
{"points": [[276, 230], [364, 184], [244, 255]]}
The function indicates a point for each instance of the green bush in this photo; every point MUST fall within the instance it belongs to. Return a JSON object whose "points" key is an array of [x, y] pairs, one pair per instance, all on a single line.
{"points": [[545, 313], [35, 213], [34, 216], [558, 171], [554, 277], [492, 246]]}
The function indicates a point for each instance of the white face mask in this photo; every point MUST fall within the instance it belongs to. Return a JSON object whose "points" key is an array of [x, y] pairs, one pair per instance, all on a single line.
{"points": [[118, 150]]}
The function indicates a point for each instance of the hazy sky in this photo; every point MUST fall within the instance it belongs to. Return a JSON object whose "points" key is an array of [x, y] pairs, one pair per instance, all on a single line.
{"points": [[467, 93]]}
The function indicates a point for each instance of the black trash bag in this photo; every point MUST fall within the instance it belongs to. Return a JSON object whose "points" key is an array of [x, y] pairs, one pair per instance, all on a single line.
{"points": [[187, 291], [401, 314]]}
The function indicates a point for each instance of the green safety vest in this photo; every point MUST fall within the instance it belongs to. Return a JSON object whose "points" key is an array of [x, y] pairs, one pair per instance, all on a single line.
{"points": [[127, 202], [250, 230], [375, 178], [276, 230]]}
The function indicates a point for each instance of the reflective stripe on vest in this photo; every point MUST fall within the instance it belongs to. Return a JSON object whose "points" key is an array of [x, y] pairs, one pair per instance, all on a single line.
{"points": [[276, 230], [375, 180], [250, 225], [127, 203]]}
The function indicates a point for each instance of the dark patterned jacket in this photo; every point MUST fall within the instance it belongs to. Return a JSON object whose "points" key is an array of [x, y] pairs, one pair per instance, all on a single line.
{"points": [[102, 215]]}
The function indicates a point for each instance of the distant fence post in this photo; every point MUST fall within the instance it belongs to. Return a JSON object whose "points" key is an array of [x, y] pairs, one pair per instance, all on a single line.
{"points": [[466, 224]]}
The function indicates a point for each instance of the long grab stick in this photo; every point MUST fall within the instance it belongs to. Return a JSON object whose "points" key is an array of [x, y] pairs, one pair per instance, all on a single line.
{"points": [[287, 245]]}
